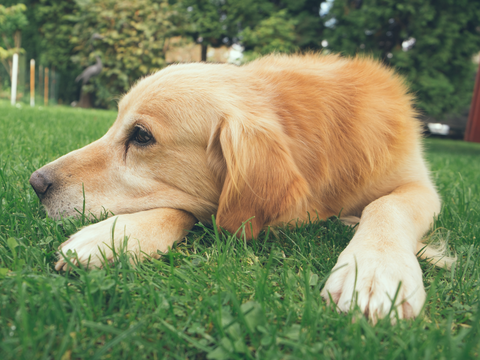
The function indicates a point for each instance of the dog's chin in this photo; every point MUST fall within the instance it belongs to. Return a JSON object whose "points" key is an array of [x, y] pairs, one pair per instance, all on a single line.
{"points": [[58, 214], [63, 209]]}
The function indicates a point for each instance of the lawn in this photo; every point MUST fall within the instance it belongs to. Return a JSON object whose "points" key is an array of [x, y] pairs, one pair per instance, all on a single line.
{"points": [[211, 297]]}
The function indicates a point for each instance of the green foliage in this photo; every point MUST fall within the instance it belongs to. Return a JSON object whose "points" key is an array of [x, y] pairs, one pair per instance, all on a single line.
{"points": [[290, 26], [12, 21], [218, 23], [439, 64], [133, 34], [308, 25], [261, 26], [273, 34], [55, 24], [214, 296]]}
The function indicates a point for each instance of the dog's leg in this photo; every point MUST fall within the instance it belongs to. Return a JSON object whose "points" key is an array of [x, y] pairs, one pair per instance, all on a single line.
{"points": [[147, 232], [381, 256]]}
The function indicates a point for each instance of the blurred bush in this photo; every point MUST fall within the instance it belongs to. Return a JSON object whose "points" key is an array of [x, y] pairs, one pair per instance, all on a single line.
{"points": [[12, 21], [273, 34], [218, 23], [129, 38], [430, 42], [51, 46]]}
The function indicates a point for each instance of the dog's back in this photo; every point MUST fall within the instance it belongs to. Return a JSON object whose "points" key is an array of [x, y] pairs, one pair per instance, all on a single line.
{"points": [[355, 136]]}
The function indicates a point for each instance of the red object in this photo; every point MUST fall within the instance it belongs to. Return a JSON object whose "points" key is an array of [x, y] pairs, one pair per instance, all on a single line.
{"points": [[472, 133]]}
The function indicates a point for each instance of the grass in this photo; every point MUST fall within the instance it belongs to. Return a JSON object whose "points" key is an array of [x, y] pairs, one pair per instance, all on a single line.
{"points": [[214, 297]]}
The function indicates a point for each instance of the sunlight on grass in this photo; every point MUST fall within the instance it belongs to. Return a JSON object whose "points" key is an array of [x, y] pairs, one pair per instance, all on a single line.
{"points": [[214, 296]]}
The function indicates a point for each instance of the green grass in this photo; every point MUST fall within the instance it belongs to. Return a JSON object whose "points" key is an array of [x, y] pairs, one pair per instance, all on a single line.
{"points": [[212, 297]]}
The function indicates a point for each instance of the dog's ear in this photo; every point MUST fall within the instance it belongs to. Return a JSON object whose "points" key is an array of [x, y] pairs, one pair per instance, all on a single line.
{"points": [[257, 173]]}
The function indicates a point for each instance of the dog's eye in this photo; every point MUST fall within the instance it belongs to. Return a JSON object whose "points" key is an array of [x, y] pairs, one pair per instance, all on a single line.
{"points": [[142, 136]]}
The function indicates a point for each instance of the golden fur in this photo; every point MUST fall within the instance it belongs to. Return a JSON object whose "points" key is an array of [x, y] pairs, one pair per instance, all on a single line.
{"points": [[272, 141]]}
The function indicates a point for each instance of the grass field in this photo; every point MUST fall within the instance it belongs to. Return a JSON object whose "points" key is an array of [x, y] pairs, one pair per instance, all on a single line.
{"points": [[215, 298]]}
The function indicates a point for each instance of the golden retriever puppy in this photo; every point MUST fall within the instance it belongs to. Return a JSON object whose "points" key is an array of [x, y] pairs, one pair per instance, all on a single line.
{"points": [[272, 141]]}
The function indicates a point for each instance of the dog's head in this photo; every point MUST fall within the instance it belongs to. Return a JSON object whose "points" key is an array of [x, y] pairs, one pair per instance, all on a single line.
{"points": [[201, 138]]}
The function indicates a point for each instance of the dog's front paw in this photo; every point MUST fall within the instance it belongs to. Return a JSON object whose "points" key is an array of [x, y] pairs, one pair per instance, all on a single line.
{"points": [[139, 234], [372, 279], [92, 245]]}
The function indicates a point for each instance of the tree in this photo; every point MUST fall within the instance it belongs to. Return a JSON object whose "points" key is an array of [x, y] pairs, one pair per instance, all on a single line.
{"points": [[54, 28], [130, 42], [12, 21], [225, 22], [46, 38], [431, 43], [218, 22], [273, 34], [308, 25]]}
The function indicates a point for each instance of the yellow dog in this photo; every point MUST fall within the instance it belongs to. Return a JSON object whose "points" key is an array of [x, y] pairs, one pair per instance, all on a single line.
{"points": [[274, 140]]}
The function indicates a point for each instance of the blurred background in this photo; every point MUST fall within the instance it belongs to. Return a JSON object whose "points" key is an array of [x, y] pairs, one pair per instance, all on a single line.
{"points": [[435, 44]]}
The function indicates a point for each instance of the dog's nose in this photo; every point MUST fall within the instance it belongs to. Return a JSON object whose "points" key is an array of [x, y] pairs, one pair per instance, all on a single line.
{"points": [[40, 183]]}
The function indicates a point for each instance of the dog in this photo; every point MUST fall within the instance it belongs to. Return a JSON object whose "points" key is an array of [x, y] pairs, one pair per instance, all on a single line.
{"points": [[262, 144]]}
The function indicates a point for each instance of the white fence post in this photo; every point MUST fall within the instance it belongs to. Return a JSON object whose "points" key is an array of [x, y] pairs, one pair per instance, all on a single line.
{"points": [[32, 82], [14, 79]]}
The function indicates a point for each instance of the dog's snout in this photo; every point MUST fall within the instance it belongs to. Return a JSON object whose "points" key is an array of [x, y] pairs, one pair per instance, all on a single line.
{"points": [[40, 182]]}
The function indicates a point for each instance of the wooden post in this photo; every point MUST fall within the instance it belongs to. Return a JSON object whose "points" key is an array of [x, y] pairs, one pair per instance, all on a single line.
{"points": [[45, 90], [472, 132], [40, 81], [14, 79], [32, 82], [53, 93]]}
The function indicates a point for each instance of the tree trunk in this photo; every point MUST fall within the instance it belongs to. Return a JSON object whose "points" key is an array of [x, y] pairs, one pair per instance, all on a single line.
{"points": [[472, 132], [204, 51]]}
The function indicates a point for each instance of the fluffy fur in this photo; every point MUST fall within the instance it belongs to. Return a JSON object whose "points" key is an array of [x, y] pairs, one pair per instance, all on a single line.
{"points": [[275, 140]]}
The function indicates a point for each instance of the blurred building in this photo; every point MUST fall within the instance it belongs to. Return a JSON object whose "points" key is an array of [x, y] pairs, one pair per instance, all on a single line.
{"points": [[181, 50]]}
